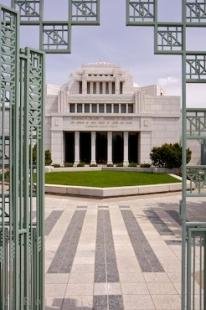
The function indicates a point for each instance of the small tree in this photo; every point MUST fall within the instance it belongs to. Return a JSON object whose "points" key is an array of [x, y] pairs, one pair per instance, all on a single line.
{"points": [[48, 159], [168, 156]]}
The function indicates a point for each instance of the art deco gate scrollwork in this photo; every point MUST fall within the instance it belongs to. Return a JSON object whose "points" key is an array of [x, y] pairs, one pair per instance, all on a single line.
{"points": [[21, 130], [170, 39]]}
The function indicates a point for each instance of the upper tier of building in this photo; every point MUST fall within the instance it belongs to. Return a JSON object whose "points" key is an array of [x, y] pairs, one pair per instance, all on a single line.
{"points": [[105, 88]]}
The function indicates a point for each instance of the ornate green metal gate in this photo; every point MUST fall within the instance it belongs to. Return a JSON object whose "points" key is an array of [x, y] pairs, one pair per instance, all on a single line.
{"points": [[21, 145], [170, 39], [21, 130]]}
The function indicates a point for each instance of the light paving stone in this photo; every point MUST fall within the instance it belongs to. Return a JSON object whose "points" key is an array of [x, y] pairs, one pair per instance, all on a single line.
{"points": [[169, 302], [55, 290], [79, 290], [138, 302], [156, 277], [114, 289], [161, 288], [134, 289], [57, 278], [100, 289]]}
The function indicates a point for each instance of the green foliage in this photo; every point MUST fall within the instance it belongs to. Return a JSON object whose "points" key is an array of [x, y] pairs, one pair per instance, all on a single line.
{"points": [[69, 165], [145, 165], [133, 165], [81, 164], [56, 165], [48, 159], [119, 165], [168, 156]]}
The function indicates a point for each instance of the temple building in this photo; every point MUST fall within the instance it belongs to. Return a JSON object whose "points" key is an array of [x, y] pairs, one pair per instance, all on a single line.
{"points": [[100, 116]]}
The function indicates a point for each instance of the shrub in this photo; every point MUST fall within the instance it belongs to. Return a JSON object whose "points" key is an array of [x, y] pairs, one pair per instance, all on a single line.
{"points": [[47, 156], [145, 165], [56, 165], [168, 156], [119, 165], [81, 164], [48, 159], [133, 165], [68, 165]]}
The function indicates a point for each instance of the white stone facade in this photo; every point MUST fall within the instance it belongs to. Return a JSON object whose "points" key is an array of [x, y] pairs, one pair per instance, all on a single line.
{"points": [[101, 100]]}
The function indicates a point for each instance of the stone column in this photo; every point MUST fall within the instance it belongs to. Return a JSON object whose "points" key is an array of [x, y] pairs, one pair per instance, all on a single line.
{"points": [[126, 149], [57, 147], [109, 148], [97, 88], [77, 148], [93, 148], [110, 88], [145, 146], [104, 87]]}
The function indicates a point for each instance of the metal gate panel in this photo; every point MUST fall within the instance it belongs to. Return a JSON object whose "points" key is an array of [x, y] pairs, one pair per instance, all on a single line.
{"points": [[170, 39], [21, 129]]}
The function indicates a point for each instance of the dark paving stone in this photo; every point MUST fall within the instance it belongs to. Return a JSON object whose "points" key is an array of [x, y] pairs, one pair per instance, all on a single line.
{"points": [[146, 257], [173, 242], [51, 221], [63, 260], [175, 216], [124, 207], [116, 302], [81, 207], [105, 258], [158, 223], [100, 301]]}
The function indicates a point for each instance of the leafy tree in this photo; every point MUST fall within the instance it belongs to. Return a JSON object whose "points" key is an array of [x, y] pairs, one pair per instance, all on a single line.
{"points": [[48, 159], [168, 156]]}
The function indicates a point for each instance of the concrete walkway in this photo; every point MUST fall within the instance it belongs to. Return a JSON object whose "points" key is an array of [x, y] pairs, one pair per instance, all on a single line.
{"points": [[114, 254]]}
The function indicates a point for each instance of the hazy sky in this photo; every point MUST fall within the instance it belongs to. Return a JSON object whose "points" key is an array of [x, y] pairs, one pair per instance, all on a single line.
{"points": [[129, 47]]}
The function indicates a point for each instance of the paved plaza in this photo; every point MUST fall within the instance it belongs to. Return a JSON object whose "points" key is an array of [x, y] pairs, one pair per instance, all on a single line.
{"points": [[114, 254]]}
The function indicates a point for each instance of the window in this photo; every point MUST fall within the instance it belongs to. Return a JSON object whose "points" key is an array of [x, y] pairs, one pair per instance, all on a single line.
{"points": [[116, 108], [123, 108], [109, 108], [80, 87], [87, 108], [79, 108], [100, 88], [72, 108], [107, 87], [121, 88], [130, 108], [113, 87], [101, 108], [88, 87], [94, 87], [94, 108]]}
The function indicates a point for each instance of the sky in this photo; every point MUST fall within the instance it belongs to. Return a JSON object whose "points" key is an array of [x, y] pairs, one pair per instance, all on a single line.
{"points": [[129, 47]]}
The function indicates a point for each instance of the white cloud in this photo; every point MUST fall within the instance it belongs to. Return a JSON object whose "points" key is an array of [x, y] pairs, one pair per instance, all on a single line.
{"points": [[171, 85]]}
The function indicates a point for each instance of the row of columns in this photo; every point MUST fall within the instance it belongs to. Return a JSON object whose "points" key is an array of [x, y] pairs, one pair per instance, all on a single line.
{"points": [[93, 148]]}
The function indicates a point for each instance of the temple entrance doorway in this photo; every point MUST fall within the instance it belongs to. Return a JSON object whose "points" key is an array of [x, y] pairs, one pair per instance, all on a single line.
{"points": [[101, 148], [117, 147], [68, 147], [85, 147]]}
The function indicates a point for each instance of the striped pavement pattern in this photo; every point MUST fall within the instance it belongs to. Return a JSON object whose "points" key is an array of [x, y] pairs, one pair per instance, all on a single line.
{"points": [[112, 256]]}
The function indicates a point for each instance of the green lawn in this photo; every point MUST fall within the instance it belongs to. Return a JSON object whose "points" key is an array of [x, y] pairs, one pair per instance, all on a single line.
{"points": [[107, 178]]}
